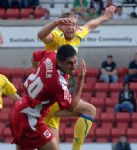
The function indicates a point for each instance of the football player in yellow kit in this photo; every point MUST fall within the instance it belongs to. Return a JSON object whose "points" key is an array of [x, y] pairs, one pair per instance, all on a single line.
{"points": [[69, 33], [7, 88]]}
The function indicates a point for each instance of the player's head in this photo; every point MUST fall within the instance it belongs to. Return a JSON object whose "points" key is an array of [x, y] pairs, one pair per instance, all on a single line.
{"points": [[69, 30], [67, 14], [67, 59]]}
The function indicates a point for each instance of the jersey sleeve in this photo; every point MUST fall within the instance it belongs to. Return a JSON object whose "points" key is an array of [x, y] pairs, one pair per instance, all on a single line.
{"points": [[38, 55], [82, 32], [63, 97], [9, 88], [54, 44]]}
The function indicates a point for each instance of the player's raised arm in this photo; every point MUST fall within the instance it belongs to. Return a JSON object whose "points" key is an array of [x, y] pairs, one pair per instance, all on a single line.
{"points": [[79, 87], [15, 96], [108, 14], [45, 33]]}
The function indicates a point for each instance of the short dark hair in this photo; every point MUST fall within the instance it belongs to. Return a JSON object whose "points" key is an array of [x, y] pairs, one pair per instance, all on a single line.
{"points": [[65, 51]]}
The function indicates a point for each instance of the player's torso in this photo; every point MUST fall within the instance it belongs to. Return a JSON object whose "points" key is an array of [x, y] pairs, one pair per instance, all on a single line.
{"points": [[2, 84], [40, 85], [60, 40]]}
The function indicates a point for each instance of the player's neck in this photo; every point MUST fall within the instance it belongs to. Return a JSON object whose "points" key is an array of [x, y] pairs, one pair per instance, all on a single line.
{"points": [[62, 71]]}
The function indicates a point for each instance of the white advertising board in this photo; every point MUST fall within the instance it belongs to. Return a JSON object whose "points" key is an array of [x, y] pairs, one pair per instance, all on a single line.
{"points": [[103, 36]]}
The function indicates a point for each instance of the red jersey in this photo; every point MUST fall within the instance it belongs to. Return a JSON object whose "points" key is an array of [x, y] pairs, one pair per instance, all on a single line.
{"points": [[47, 83], [45, 86]]}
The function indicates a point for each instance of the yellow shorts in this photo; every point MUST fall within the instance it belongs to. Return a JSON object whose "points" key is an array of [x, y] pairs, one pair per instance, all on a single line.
{"points": [[50, 120]]}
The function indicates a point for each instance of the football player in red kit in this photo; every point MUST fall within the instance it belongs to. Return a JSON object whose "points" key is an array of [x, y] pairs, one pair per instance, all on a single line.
{"points": [[45, 86]]}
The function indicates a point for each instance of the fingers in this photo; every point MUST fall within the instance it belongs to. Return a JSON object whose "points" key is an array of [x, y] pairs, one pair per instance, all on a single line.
{"points": [[67, 21], [112, 9], [83, 64]]}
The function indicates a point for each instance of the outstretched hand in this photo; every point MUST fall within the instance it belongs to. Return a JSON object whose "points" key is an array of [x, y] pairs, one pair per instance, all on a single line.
{"points": [[110, 11]]}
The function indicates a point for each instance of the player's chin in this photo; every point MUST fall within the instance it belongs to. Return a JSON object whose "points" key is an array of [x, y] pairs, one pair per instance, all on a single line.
{"points": [[72, 72], [69, 37]]}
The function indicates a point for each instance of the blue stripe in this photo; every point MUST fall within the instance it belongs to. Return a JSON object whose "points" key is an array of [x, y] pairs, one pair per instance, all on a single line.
{"points": [[86, 117]]}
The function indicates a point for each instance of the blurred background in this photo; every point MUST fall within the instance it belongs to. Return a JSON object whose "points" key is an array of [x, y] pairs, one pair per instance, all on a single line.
{"points": [[20, 21]]}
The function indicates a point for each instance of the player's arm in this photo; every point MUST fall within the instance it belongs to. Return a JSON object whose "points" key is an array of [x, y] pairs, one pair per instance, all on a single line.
{"points": [[45, 33], [36, 57], [76, 97], [34, 63], [10, 90], [15, 96], [109, 12], [71, 101], [80, 83]]}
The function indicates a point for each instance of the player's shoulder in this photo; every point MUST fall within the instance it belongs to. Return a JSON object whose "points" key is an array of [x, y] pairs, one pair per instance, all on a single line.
{"points": [[49, 53], [49, 59], [81, 28], [3, 80], [3, 77]]}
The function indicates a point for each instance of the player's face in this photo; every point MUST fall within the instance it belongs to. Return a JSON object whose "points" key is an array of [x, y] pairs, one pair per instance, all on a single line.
{"points": [[69, 65], [69, 30]]}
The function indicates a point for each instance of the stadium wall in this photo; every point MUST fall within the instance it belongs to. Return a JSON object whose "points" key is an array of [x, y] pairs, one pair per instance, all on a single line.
{"points": [[21, 57]]}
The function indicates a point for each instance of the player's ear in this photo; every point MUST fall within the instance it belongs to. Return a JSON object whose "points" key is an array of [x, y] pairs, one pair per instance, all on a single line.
{"points": [[59, 63]]}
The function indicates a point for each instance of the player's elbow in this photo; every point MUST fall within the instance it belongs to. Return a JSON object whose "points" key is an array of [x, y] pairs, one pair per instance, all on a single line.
{"points": [[40, 35]]}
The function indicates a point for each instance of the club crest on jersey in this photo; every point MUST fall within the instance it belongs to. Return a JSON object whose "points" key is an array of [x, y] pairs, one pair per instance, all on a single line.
{"points": [[47, 134], [49, 67]]}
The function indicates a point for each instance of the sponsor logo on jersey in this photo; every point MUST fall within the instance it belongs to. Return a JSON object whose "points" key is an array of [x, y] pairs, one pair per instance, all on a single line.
{"points": [[49, 67]]}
